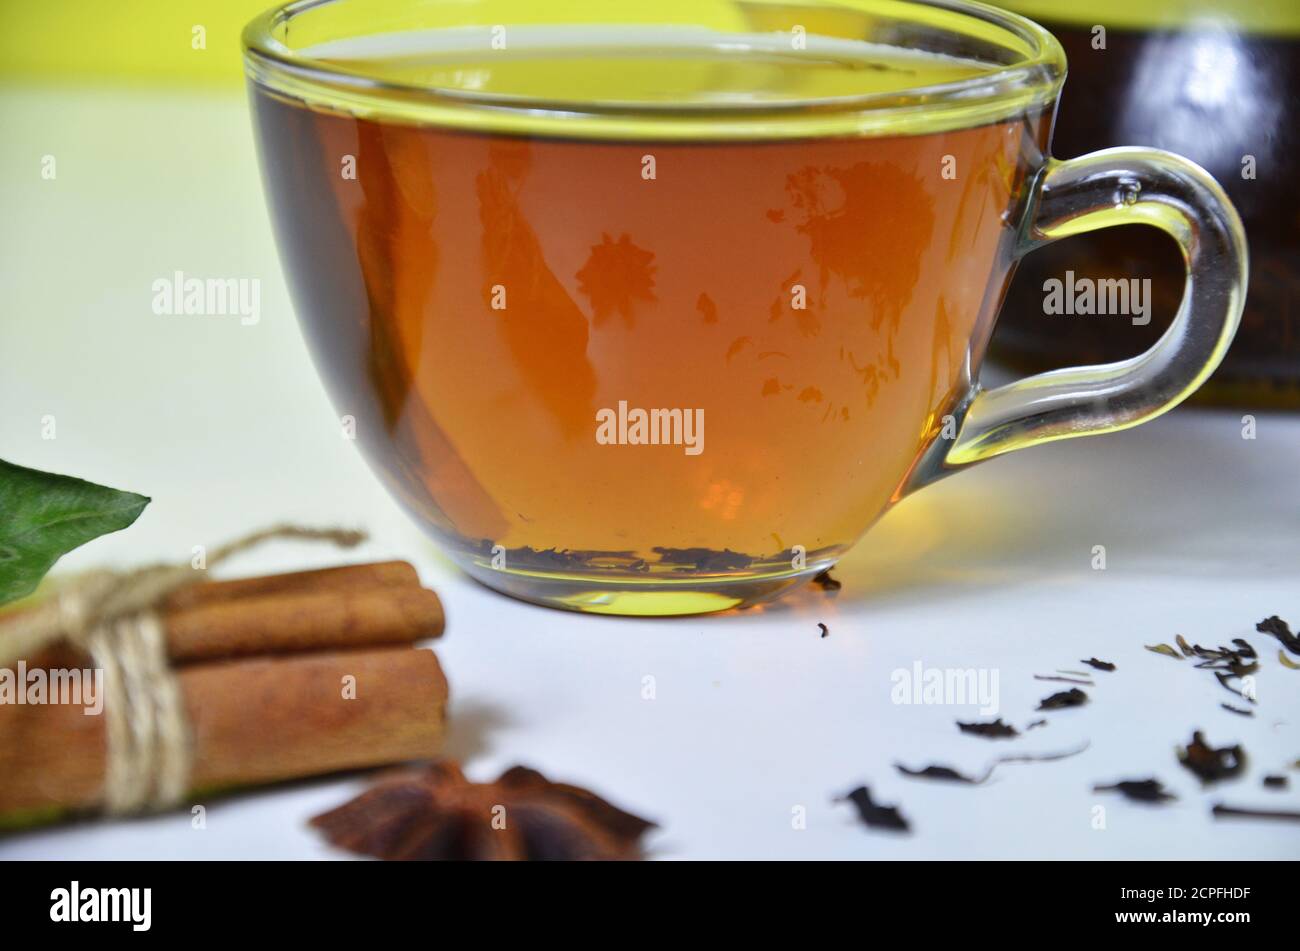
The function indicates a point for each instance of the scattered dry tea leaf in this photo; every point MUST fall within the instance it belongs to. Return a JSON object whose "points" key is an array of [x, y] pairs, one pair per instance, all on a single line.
{"points": [[1223, 678], [1099, 664], [1164, 649], [826, 582], [1065, 680], [948, 774], [1140, 790], [435, 813], [873, 814], [824, 629], [942, 773], [1281, 630], [1233, 666], [1039, 757], [994, 731], [1226, 663], [1237, 662], [1074, 697], [1035, 725], [1209, 763], [1286, 661], [1221, 811], [1276, 782], [1245, 713]]}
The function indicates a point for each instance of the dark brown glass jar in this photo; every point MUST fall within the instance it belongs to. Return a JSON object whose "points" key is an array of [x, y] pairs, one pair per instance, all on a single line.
{"points": [[1213, 80]]}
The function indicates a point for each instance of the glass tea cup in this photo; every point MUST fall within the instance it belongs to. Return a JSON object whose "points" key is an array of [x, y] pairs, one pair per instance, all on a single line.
{"points": [[656, 307]]}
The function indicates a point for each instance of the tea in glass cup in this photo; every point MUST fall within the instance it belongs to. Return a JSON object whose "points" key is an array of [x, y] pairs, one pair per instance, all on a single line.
{"points": [[657, 311]]}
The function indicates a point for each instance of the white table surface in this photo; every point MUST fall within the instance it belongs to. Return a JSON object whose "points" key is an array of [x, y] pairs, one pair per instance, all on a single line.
{"points": [[227, 428]]}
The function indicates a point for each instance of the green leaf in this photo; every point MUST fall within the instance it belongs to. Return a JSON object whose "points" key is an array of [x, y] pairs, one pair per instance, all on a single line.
{"points": [[44, 516]]}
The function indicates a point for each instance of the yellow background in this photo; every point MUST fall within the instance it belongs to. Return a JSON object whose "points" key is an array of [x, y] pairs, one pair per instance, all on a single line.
{"points": [[146, 41], [150, 41]]}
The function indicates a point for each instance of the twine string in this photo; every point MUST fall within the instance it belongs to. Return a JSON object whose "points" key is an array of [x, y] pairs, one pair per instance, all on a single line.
{"points": [[113, 616]]}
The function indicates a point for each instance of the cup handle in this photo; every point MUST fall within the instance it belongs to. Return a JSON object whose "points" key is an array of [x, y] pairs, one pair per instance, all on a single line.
{"points": [[1100, 190]]}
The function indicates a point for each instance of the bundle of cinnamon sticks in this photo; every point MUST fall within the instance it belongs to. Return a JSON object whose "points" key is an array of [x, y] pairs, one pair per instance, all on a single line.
{"points": [[281, 677]]}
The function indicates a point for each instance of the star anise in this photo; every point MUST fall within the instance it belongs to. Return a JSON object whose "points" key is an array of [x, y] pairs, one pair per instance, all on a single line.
{"points": [[435, 813]]}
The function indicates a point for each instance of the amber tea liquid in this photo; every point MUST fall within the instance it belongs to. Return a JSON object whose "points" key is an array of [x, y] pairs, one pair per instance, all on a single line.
{"points": [[480, 303]]}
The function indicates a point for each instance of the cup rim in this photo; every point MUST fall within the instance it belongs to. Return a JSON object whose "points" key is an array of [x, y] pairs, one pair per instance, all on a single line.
{"points": [[1001, 92]]}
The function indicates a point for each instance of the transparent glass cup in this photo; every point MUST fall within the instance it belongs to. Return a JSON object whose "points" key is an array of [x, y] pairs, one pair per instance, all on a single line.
{"points": [[656, 307]]}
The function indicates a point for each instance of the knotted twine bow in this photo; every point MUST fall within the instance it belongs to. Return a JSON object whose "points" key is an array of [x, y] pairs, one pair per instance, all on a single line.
{"points": [[113, 616]]}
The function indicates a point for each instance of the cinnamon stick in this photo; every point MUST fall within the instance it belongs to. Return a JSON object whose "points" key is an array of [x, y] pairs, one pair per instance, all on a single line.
{"points": [[313, 620], [355, 606], [380, 574], [252, 721]]}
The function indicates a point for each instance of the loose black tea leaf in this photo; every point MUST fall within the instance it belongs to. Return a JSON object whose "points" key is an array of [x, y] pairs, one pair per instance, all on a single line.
{"points": [[948, 774], [1276, 782], [1281, 630], [1238, 710], [873, 814], [1140, 790], [1099, 664], [1209, 763], [1196, 650], [942, 773], [826, 582], [703, 559], [546, 559], [1232, 666], [1038, 757], [994, 731], [1065, 680], [1236, 662], [1035, 725], [1074, 697], [824, 629], [1164, 649], [1286, 661], [1223, 679], [1220, 810]]}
